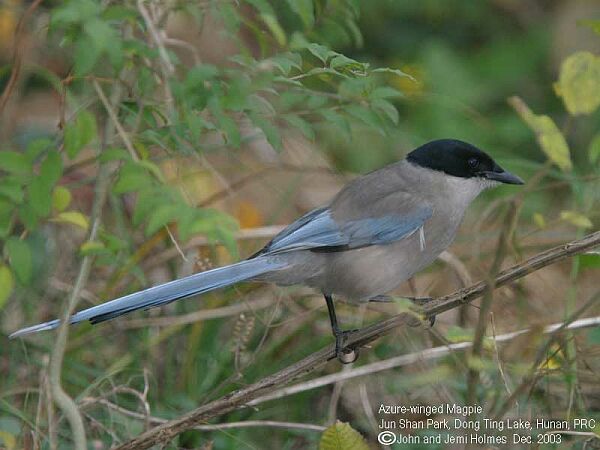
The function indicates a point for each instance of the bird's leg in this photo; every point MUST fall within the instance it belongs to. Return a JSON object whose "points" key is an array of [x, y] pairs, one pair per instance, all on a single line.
{"points": [[345, 355], [420, 301]]}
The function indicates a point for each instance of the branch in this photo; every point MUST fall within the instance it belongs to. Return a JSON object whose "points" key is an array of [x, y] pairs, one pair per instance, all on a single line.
{"points": [[165, 432]]}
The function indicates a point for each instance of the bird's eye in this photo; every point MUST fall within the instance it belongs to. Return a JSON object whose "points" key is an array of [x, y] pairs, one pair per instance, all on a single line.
{"points": [[473, 163]]}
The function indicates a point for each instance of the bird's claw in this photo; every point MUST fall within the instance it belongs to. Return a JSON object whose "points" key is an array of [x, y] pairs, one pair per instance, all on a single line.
{"points": [[345, 355]]}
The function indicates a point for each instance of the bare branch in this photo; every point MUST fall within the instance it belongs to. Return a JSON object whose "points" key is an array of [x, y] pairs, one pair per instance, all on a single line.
{"points": [[165, 432]]}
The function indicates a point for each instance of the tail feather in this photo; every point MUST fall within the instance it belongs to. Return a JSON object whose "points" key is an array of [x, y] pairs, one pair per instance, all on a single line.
{"points": [[165, 293]]}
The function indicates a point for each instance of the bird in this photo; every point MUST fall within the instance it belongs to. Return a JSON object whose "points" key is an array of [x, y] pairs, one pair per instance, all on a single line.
{"points": [[377, 232]]}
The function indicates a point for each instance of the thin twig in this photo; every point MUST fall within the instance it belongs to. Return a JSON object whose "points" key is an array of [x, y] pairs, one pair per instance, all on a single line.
{"points": [[17, 55], [165, 432], [113, 116]]}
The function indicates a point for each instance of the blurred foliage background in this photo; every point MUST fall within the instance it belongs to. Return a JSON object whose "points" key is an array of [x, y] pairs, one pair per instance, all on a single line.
{"points": [[156, 138]]}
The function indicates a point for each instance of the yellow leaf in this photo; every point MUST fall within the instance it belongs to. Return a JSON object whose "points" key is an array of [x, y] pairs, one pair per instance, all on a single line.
{"points": [[61, 198], [579, 83], [549, 137], [554, 360], [539, 220], [91, 246], [7, 283], [8, 440], [577, 219], [72, 217], [341, 436]]}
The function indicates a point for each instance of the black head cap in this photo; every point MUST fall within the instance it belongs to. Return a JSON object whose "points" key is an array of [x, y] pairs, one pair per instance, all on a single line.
{"points": [[460, 159]]}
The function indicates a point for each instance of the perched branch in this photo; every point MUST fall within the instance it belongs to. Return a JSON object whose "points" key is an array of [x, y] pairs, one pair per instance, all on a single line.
{"points": [[165, 432]]}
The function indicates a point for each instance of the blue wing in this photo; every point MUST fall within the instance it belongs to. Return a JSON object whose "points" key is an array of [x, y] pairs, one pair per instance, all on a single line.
{"points": [[319, 231]]}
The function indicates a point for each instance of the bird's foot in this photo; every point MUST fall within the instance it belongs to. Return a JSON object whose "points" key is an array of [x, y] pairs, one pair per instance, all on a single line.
{"points": [[345, 355], [419, 301]]}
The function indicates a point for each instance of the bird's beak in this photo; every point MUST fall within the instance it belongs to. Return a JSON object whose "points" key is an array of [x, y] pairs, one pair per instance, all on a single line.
{"points": [[503, 176]]}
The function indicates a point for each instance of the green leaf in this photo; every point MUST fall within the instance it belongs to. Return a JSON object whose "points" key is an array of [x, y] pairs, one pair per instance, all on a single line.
{"points": [[52, 168], [367, 116], [575, 218], [7, 284], [305, 10], [11, 190], [37, 146], [397, 72], [594, 149], [28, 216], [73, 218], [385, 92], [386, 108], [86, 55], [226, 123], [15, 162], [301, 124], [61, 198], [285, 62], [230, 16], [6, 217], [39, 193], [275, 28], [341, 436], [161, 216], [336, 119], [549, 137], [79, 133], [579, 83], [271, 132], [20, 258], [321, 52], [114, 154], [132, 177]]}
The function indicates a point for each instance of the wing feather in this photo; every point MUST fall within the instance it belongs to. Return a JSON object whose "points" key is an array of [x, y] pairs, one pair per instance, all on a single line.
{"points": [[318, 230]]}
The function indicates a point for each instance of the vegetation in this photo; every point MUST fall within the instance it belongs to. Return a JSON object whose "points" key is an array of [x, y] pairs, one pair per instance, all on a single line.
{"points": [[147, 140]]}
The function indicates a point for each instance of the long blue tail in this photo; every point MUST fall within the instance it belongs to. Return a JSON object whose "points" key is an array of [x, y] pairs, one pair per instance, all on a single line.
{"points": [[165, 293]]}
